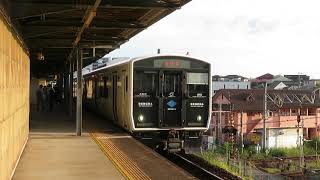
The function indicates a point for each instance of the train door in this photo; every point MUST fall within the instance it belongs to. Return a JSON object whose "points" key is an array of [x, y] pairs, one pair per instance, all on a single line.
{"points": [[114, 97], [172, 98]]}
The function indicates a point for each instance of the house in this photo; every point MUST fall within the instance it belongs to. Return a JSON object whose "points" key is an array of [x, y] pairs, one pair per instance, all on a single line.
{"points": [[280, 78], [242, 112], [265, 77], [229, 82], [229, 78], [300, 79], [314, 82], [277, 85], [274, 82], [259, 82]]}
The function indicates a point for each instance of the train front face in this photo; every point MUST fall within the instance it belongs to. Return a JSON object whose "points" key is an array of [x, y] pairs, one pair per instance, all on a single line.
{"points": [[171, 95]]}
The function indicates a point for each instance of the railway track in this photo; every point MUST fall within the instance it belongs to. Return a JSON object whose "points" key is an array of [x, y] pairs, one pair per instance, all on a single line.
{"points": [[195, 167]]}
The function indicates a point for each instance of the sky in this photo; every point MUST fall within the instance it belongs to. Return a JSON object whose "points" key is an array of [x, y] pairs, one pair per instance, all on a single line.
{"points": [[245, 37]]}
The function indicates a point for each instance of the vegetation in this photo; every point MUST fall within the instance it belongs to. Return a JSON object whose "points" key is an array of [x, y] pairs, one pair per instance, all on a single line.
{"points": [[220, 157], [309, 148], [219, 160]]}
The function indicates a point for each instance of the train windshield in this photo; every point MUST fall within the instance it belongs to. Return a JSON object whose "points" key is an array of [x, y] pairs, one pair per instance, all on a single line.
{"points": [[146, 83], [197, 84], [172, 84]]}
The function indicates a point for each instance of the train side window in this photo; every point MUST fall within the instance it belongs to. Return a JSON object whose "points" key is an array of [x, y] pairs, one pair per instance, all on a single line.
{"points": [[105, 87], [197, 84], [89, 89], [96, 89], [126, 84], [100, 87]]}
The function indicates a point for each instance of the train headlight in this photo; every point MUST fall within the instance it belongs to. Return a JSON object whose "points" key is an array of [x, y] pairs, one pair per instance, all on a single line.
{"points": [[141, 118], [199, 118]]}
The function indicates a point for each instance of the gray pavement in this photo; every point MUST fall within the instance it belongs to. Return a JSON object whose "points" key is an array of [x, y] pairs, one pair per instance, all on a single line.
{"points": [[54, 152]]}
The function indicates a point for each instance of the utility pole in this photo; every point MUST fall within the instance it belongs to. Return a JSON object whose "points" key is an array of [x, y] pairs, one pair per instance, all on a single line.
{"points": [[219, 124], [301, 142], [241, 132], [300, 139], [265, 117]]}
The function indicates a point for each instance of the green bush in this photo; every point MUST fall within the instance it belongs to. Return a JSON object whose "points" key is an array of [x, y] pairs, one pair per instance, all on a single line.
{"points": [[279, 152], [313, 143]]}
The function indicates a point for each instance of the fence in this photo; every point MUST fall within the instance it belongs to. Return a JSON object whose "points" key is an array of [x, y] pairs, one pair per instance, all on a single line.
{"points": [[14, 99]]}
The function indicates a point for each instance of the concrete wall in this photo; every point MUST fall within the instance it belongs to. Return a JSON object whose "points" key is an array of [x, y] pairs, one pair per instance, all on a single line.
{"points": [[280, 138], [14, 99]]}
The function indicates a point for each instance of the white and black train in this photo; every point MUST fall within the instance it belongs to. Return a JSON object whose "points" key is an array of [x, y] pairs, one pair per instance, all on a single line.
{"points": [[165, 96]]}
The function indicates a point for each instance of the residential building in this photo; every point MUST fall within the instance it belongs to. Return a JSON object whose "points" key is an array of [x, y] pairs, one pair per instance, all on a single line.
{"points": [[300, 79], [314, 83], [277, 85], [229, 82], [265, 78], [242, 112]]}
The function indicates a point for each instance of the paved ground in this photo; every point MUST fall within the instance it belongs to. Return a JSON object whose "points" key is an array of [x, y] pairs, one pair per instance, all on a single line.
{"points": [[54, 152], [146, 160]]}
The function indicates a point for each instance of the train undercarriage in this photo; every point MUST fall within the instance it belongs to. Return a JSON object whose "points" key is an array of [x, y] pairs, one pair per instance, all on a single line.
{"points": [[171, 141]]}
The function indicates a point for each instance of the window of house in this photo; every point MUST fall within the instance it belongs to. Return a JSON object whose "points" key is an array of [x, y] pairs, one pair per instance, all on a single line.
{"points": [[270, 114]]}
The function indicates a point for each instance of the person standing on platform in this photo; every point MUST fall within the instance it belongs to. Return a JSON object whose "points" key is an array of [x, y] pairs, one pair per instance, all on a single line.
{"points": [[39, 96], [51, 97]]}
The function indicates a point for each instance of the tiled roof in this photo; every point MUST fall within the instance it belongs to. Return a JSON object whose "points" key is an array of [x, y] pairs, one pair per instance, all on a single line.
{"points": [[252, 99], [265, 76]]}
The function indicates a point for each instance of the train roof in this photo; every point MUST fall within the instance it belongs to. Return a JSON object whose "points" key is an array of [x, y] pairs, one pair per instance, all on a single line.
{"points": [[127, 60]]}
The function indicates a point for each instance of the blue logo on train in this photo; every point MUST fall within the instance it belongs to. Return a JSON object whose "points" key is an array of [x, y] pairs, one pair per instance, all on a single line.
{"points": [[172, 104]]}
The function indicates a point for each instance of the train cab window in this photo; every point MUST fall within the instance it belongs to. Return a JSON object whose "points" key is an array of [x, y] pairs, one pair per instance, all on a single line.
{"points": [[172, 84], [197, 84], [146, 83]]}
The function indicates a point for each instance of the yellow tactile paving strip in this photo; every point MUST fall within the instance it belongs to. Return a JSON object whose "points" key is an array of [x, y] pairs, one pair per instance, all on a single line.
{"points": [[125, 165]]}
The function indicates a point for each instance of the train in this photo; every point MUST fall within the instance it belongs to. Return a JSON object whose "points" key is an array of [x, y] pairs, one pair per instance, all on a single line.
{"points": [[166, 97]]}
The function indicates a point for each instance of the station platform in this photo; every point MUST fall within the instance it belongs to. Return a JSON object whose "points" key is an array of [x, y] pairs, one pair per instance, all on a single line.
{"points": [[54, 152], [104, 151]]}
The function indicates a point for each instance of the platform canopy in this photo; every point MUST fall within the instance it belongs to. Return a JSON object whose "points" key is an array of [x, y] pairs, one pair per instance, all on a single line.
{"points": [[51, 29]]}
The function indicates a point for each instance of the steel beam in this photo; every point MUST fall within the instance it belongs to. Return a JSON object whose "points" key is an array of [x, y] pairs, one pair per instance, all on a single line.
{"points": [[50, 7], [76, 22], [45, 27], [87, 19]]}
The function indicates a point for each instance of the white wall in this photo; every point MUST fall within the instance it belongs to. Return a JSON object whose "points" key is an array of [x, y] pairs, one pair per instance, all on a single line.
{"points": [[217, 85], [283, 138]]}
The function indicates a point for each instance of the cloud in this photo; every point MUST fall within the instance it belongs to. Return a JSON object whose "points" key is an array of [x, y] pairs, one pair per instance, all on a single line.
{"points": [[248, 37]]}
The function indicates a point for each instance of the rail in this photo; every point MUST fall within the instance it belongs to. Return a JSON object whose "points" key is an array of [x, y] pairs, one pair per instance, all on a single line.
{"points": [[196, 169]]}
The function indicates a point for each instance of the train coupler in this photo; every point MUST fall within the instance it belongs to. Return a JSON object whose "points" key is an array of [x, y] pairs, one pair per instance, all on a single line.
{"points": [[173, 143]]}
